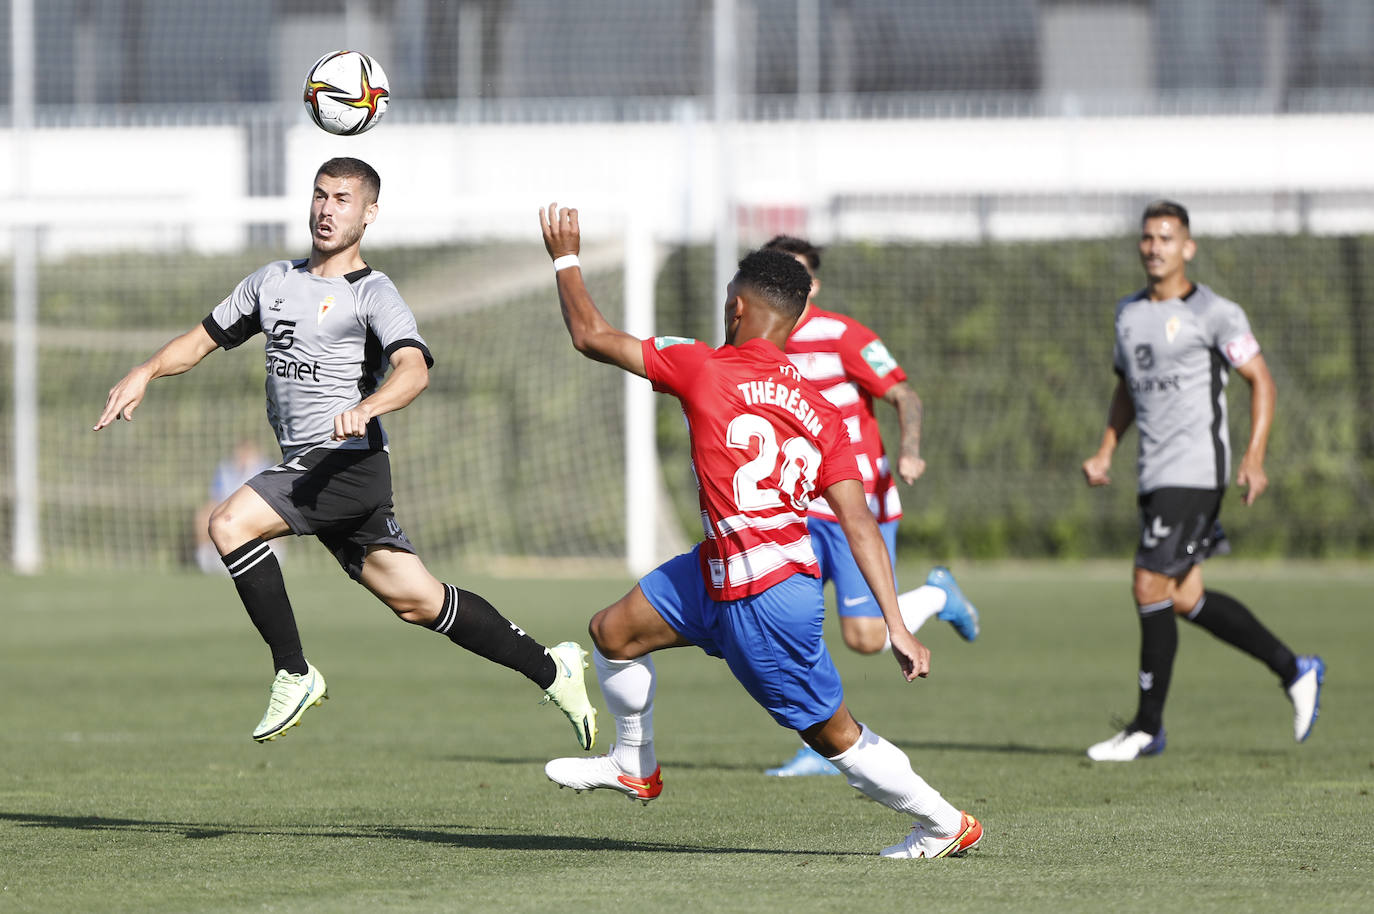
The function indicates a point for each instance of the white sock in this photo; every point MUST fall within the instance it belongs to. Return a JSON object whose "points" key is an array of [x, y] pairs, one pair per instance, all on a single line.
{"points": [[628, 687], [920, 604], [882, 772]]}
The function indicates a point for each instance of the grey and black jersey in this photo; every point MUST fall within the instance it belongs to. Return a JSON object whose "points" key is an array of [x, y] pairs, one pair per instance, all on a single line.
{"points": [[328, 345], [1175, 357]]}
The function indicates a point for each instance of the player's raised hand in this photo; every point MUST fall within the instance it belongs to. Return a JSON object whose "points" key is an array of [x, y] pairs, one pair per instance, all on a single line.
{"points": [[123, 399], [561, 233], [912, 656]]}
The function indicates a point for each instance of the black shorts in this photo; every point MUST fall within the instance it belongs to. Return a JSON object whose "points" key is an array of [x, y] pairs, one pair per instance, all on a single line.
{"points": [[342, 496], [1178, 529]]}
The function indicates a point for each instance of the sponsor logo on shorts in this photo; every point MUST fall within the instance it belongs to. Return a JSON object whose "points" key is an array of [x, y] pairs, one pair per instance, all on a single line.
{"points": [[1156, 534], [394, 529]]}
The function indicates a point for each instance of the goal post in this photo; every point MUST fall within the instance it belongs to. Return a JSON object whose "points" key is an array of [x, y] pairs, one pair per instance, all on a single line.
{"points": [[641, 450]]}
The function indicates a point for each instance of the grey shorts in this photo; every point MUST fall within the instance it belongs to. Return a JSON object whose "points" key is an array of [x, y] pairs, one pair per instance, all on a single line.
{"points": [[1179, 529], [341, 496]]}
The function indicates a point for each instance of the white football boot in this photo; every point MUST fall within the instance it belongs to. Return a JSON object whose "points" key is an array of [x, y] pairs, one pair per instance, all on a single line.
{"points": [[1127, 746], [601, 771]]}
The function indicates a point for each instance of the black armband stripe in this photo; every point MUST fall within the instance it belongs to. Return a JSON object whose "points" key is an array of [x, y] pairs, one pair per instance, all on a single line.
{"points": [[233, 335], [402, 344]]}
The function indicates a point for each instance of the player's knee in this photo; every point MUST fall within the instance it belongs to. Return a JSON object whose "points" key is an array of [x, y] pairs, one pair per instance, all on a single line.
{"points": [[863, 634], [414, 605], [600, 633], [1183, 605], [612, 640], [1151, 588], [866, 642], [224, 530], [414, 612]]}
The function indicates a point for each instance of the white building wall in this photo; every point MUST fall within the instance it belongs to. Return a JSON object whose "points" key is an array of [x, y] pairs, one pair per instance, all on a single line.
{"points": [[186, 186]]}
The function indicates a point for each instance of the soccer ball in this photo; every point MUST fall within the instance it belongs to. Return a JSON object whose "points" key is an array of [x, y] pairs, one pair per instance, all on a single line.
{"points": [[346, 92]]}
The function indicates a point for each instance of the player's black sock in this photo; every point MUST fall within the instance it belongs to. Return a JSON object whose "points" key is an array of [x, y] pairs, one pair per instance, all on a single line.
{"points": [[1158, 644], [1228, 619], [257, 575], [472, 623]]}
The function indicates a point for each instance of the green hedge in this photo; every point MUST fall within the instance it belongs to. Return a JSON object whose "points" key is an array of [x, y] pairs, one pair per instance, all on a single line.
{"points": [[515, 449], [1009, 346]]}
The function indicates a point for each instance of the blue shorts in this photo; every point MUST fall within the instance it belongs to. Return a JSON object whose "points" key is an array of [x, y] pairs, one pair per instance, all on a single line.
{"points": [[852, 595], [771, 641]]}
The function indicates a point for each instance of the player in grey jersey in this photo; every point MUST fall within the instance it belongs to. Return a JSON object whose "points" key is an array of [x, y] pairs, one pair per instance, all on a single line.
{"points": [[332, 327], [1175, 344]]}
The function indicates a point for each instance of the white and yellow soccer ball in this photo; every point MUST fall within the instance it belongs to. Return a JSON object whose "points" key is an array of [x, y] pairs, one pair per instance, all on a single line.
{"points": [[346, 92]]}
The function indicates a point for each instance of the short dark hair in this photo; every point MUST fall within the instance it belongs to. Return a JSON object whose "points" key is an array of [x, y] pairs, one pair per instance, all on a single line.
{"points": [[797, 247], [348, 167], [1165, 209], [777, 278]]}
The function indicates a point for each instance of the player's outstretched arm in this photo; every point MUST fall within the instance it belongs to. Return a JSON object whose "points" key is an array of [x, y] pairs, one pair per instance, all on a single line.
{"points": [[846, 499], [592, 335], [1263, 399], [910, 464], [1120, 415], [178, 355]]}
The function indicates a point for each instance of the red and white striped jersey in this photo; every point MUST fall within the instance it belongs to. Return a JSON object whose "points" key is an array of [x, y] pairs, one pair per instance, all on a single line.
{"points": [[851, 366], [764, 442]]}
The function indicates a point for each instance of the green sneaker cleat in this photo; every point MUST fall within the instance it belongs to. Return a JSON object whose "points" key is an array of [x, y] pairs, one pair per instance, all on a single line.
{"points": [[569, 691], [292, 693]]}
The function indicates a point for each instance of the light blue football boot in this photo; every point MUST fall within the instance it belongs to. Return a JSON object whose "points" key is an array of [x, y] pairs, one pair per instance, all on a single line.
{"points": [[806, 762], [958, 611]]}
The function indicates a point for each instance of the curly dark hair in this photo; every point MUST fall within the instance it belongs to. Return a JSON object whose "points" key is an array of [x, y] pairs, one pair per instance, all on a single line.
{"points": [[798, 247], [777, 278], [1165, 209], [348, 167]]}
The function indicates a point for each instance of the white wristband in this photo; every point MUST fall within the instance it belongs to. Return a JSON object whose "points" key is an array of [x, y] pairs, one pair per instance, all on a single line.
{"points": [[567, 260]]}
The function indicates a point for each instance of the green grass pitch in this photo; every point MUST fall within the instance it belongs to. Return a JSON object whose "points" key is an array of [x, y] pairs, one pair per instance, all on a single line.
{"points": [[128, 781]]}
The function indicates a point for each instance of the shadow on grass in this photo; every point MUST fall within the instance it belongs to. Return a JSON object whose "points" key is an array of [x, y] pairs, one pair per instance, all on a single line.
{"points": [[717, 765], [667, 763], [463, 836], [1002, 748]]}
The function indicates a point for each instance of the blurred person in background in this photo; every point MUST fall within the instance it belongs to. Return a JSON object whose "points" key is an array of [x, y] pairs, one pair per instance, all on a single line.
{"points": [[241, 464], [1176, 343], [852, 367]]}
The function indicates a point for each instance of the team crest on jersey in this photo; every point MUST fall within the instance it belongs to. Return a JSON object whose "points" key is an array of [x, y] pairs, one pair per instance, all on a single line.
{"points": [[878, 358], [663, 342], [325, 305], [1171, 328]]}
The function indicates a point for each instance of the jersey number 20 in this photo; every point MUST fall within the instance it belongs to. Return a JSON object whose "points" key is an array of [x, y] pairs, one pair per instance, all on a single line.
{"points": [[796, 476]]}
